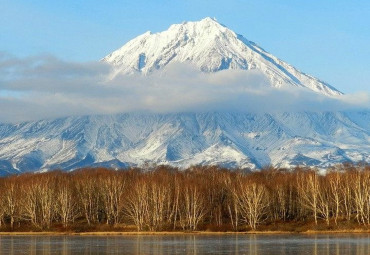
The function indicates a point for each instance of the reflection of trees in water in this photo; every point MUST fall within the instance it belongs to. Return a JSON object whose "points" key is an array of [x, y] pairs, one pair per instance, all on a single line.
{"points": [[188, 244]]}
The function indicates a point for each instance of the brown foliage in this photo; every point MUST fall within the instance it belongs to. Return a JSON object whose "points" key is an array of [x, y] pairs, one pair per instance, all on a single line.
{"points": [[165, 198]]}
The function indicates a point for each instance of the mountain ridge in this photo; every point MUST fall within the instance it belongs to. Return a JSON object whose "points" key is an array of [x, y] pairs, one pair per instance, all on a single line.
{"points": [[243, 140], [211, 47]]}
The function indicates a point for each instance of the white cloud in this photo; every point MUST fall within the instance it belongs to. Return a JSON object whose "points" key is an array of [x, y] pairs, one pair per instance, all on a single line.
{"points": [[46, 87]]}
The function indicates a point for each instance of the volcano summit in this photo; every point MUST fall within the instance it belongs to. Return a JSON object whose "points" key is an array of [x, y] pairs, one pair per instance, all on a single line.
{"points": [[210, 47]]}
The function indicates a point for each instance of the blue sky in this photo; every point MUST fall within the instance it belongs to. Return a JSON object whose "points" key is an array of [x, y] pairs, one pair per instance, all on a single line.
{"points": [[328, 39]]}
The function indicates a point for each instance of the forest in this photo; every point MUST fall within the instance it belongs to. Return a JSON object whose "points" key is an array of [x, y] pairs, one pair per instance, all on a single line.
{"points": [[200, 198]]}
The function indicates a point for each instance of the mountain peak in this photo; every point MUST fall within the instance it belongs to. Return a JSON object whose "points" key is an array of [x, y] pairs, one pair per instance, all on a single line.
{"points": [[206, 21], [211, 47], [209, 19], [206, 25]]}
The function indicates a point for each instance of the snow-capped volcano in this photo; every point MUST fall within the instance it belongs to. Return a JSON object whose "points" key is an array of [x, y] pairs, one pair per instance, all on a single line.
{"points": [[232, 139], [211, 47]]}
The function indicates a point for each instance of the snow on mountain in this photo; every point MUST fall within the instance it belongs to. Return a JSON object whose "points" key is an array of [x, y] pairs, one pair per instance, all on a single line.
{"points": [[239, 139], [211, 47], [184, 139]]}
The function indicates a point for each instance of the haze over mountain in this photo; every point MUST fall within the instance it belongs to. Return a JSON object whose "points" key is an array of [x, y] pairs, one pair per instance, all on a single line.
{"points": [[229, 137]]}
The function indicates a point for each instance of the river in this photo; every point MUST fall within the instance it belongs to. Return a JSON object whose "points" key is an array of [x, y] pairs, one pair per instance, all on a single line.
{"points": [[294, 244]]}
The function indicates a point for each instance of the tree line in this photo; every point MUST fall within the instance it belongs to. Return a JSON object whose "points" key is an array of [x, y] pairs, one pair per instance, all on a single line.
{"points": [[165, 198]]}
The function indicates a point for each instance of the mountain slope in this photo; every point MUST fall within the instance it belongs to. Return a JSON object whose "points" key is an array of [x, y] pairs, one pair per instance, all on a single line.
{"points": [[184, 139], [211, 47], [231, 139]]}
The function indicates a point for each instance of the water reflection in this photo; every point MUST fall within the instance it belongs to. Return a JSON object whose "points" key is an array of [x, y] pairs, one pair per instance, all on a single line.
{"points": [[188, 244]]}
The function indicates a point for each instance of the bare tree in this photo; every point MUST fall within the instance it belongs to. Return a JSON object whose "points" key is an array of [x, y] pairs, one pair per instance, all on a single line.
{"points": [[88, 194], [30, 209], [335, 180], [308, 191], [193, 205], [66, 202], [361, 192], [47, 198], [136, 205], [323, 200], [232, 201], [2, 203], [252, 201], [112, 186], [11, 199]]}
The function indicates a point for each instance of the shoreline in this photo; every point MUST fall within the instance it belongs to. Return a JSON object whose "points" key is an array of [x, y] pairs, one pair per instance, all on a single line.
{"points": [[166, 233]]}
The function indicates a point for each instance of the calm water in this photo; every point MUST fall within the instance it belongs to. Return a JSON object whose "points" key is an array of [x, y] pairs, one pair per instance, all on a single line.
{"points": [[188, 244]]}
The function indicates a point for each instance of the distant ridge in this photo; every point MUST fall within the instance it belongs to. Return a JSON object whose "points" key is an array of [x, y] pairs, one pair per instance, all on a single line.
{"points": [[183, 139]]}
